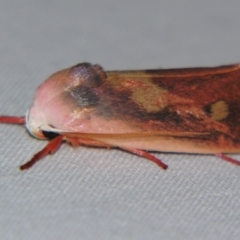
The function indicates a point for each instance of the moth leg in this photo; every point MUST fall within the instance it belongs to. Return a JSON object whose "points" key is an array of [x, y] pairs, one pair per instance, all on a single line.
{"points": [[147, 155], [50, 148], [228, 159], [12, 120]]}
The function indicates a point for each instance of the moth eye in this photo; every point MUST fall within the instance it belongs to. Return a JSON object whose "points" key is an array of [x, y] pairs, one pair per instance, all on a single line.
{"points": [[49, 135]]}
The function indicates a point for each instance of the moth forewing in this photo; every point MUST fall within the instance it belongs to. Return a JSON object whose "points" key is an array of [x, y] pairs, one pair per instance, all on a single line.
{"points": [[192, 110]]}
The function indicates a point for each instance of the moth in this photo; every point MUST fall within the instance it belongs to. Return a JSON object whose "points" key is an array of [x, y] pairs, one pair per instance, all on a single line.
{"points": [[189, 110]]}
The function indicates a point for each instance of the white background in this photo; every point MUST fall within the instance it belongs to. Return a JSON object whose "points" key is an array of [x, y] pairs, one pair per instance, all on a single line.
{"points": [[88, 193]]}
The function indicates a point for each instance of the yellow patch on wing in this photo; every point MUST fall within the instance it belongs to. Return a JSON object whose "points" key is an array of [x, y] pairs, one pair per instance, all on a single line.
{"points": [[150, 97], [219, 110]]}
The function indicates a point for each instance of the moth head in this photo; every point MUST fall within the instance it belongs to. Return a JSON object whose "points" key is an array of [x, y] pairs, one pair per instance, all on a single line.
{"points": [[34, 127], [39, 130]]}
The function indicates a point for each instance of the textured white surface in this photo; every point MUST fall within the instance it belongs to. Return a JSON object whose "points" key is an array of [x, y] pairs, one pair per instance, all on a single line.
{"points": [[87, 193]]}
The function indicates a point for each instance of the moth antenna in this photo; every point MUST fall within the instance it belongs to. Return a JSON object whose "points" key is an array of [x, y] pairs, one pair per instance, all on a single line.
{"points": [[147, 155], [50, 148], [12, 120], [228, 159]]}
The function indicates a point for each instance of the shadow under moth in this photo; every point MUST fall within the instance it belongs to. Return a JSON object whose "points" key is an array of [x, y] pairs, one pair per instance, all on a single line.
{"points": [[190, 110]]}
